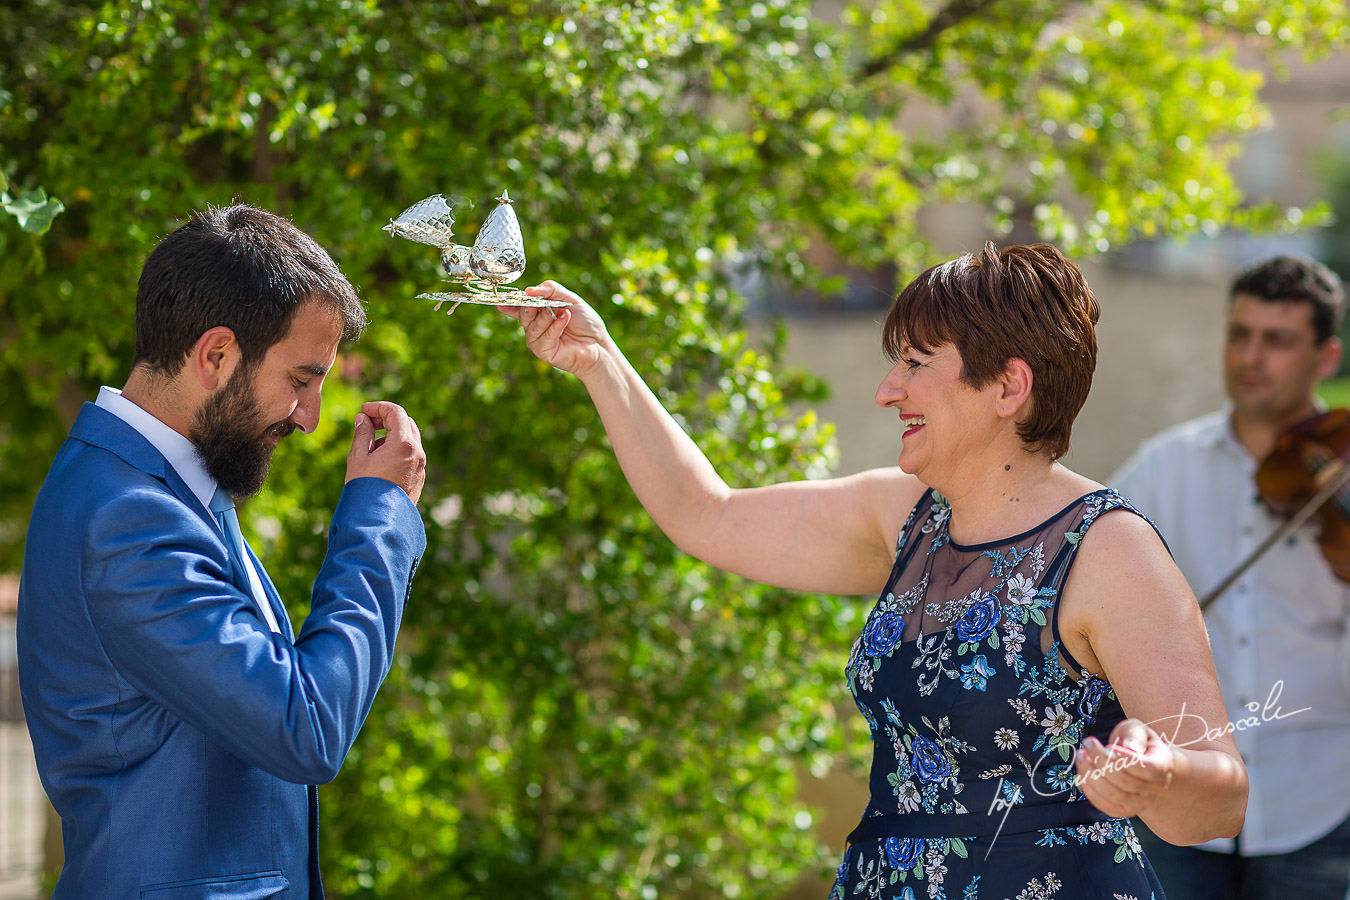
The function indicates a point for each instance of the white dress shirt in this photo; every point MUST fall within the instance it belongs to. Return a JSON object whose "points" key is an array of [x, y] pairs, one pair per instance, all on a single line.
{"points": [[1280, 634], [180, 453]]}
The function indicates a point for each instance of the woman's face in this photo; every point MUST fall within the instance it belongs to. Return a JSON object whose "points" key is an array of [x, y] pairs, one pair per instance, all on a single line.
{"points": [[944, 421]]}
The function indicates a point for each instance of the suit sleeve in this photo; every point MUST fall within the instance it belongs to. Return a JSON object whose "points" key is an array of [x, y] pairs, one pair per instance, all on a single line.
{"points": [[160, 597]]}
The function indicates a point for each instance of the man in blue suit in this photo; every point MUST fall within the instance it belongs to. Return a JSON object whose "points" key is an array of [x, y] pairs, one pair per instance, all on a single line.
{"points": [[178, 721]]}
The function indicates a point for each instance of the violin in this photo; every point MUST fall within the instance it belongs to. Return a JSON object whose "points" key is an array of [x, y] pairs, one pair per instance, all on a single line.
{"points": [[1306, 475]]}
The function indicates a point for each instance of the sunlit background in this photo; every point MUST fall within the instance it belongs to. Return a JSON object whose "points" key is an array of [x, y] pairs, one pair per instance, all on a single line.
{"points": [[578, 710]]}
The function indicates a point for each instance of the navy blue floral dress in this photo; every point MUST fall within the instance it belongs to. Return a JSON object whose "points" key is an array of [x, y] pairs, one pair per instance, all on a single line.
{"points": [[975, 718]]}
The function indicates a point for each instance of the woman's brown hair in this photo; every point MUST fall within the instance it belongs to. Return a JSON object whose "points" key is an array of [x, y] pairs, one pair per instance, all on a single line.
{"points": [[1025, 302]]}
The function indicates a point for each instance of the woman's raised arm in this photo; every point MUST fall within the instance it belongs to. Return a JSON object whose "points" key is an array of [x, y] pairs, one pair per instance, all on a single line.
{"points": [[834, 536]]}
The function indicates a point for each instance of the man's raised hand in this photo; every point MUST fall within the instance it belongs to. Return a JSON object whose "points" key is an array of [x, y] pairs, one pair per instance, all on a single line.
{"points": [[397, 456]]}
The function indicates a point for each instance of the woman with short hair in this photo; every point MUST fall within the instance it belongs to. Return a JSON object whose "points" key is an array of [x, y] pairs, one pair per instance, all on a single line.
{"points": [[1035, 670]]}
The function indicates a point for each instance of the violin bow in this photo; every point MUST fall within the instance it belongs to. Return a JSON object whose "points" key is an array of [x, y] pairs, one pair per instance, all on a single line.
{"points": [[1325, 493]]}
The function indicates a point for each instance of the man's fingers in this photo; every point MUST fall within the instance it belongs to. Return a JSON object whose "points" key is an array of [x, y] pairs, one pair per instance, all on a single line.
{"points": [[364, 433], [392, 418]]}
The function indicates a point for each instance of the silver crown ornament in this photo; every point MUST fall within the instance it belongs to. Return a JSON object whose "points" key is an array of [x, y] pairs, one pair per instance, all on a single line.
{"points": [[496, 258]]}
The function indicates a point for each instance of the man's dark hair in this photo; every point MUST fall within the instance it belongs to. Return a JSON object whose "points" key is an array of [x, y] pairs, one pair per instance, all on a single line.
{"points": [[237, 266], [1295, 279]]}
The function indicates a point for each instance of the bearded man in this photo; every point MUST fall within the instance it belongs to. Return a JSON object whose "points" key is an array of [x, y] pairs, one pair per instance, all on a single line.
{"points": [[179, 723]]}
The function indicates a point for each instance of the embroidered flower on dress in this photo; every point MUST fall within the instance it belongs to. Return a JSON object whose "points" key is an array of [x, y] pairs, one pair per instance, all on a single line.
{"points": [[907, 795], [1099, 832], [1093, 692], [866, 676], [1060, 778], [955, 608], [935, 868], [929, 762], [903, 853], [883, 633], [1023, 709], [1006, 739], [979, 619], [1012, 646], [1021, 591], [1038, 560], [976, 673], [1057, 719], [1132, 840]]}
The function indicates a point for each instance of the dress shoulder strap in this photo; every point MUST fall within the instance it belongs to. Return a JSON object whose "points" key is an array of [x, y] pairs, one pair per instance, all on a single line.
{"points": [[1094, 506]]}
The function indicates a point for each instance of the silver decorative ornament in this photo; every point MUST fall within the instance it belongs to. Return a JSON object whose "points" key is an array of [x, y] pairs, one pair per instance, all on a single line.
{"points": [[496, 258], [498, 255], [428, 221], [455, 262]]}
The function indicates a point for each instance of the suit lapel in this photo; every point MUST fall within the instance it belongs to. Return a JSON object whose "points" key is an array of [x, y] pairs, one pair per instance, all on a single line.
{"points": [[99, 428]]}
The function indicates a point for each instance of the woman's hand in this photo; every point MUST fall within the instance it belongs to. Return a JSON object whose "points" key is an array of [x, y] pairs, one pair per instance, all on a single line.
{"points": [[1125, 777], [570, 338]]}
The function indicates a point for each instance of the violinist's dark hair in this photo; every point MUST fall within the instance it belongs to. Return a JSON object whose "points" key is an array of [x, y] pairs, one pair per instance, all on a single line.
{"points": [[1296, 279], [1027, 302], [238, 266]]}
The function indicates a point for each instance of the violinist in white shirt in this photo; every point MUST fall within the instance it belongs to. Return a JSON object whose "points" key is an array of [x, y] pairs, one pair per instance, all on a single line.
{"points": [[1280, 632]]}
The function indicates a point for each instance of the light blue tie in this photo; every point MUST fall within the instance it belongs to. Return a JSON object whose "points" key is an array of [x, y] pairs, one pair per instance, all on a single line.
{"points": [[222, 504]]}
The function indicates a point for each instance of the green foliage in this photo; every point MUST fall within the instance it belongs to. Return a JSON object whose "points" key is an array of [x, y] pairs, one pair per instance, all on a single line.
{"points": [[1335, 392], [577, 709], [34, 209]]}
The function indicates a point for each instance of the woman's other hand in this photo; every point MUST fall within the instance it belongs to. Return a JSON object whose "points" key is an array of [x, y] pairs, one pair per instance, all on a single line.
{"points": [[1125, 776]]}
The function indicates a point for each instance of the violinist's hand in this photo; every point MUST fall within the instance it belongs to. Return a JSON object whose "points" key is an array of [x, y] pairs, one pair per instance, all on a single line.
{"points": [[572, 338], [1125, 776]]}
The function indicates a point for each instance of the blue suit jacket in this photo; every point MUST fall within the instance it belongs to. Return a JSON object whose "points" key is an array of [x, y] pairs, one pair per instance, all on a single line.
{"points": [[178, 737]]}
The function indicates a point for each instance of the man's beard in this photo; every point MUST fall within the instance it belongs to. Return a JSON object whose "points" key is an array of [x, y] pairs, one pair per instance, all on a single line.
{"points": [[232, 437]]}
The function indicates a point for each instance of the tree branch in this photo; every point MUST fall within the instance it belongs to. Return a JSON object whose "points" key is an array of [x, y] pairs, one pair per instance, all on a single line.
{"points": [[951, 15]]}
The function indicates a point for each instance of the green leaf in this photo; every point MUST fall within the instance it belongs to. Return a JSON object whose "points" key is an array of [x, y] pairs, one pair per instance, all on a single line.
{"points": [[958, 847], [34, 210]]}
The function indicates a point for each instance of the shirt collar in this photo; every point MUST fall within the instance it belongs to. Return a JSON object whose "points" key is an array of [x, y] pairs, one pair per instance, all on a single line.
{"points": [[1221, 433], [176, 449]]}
